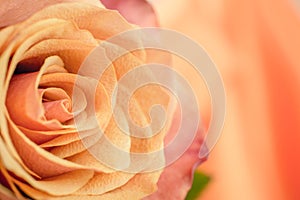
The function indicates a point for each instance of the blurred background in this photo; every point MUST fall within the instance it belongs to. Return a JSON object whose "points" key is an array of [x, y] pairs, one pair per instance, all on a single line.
{"points": [[256, 46]]}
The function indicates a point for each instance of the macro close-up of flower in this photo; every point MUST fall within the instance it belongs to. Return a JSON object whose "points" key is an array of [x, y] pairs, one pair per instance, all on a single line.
{"points": [[137, 99]]}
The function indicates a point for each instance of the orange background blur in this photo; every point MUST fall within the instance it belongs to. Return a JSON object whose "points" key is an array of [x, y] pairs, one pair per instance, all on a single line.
{"points": [[256, 46]]}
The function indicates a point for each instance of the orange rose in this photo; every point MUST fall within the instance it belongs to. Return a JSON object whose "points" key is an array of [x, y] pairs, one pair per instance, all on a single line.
{"points": [[46, 136]]}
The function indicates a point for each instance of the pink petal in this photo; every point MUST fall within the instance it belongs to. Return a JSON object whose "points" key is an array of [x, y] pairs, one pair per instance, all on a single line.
{"points": [[179, 175], [138, 12], [57, 110]]}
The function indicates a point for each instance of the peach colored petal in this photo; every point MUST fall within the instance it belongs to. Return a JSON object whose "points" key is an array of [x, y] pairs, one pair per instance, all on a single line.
{"points": [[109, 80], [38, 160], [104, 149], [43, 30], [84, 16], [150, 95], [47, 29], [50, 28], [138, 187], [58, 110], [102, 183], [54, 184], [29, 113], [126, 62], [57, 103], [33, 192], [98, 104], [67, 138], [8, 182], [88, 160], [4, 35], [102, 55], [107, 149], [14, 11], [72, 52], [51, 185], [14, 42], [76, 147], [39, 137]]}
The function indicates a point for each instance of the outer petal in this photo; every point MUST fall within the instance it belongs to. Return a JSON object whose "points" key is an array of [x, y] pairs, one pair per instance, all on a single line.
{"points": [[180, 173], [14, 11], [139, 12]]}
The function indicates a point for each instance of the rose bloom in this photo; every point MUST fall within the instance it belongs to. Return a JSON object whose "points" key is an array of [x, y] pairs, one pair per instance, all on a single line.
{"points": [[48, 135]]}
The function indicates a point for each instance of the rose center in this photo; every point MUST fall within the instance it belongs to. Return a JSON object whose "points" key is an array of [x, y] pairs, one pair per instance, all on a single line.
{"points": [[57, 104]]}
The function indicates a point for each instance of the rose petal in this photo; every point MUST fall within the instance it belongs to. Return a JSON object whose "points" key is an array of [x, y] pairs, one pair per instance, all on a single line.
{"points": [[43, 30], [105, 150], [102, 183], [8, 182], [180, 173], [38, 160], [58, 110], [67, 137], [136, 188], [65, 49], [29, 113], [84, 15], [50, 185], [135, 11], [98, 104], [72, 181], [6, 194], [76, 147], [14, 11], [39, 137], [4, 35]]}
